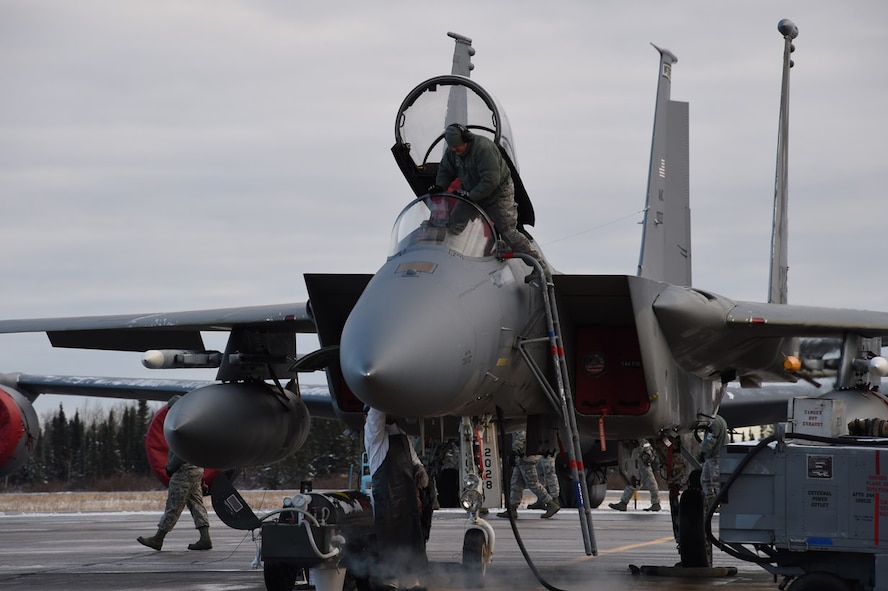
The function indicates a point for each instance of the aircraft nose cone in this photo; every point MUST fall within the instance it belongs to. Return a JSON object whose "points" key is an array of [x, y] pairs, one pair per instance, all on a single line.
{"points": [[408, 355]]}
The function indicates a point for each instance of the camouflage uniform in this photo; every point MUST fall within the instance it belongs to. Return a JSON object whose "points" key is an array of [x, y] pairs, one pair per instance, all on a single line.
{"points": [[710, 449], [643, 460], [525, 473], [548, 474], [184, 489]]}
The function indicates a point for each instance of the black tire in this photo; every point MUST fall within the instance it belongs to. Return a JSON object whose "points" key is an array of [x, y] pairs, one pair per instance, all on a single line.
{"points": [[691, 531], [353, 583], [357, 557], [596, 483], [596, 486], [819, 582], [473, 563], [279, 576], [448, 486]]}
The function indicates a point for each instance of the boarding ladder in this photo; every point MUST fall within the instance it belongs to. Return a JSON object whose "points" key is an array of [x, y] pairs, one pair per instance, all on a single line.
{"points": [[561, 397]]}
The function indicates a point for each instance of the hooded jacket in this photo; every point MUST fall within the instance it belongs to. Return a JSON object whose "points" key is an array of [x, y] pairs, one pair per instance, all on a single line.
{"points": [[482, 170]]}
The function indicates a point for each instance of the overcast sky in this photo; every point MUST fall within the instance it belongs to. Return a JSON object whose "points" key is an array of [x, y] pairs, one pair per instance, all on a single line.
{"points": [[177, 155]]}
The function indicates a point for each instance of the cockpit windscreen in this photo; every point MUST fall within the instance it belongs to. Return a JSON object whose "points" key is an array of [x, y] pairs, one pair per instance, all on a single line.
{"points": [[444, 220]]}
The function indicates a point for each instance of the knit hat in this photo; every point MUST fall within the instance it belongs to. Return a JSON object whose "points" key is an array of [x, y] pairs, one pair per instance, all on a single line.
{"points": [[454, 136]]}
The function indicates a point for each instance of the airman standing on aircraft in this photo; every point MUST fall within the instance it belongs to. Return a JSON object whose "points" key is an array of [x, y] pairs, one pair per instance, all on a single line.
{"points": [[525, 476], [713, 442], [643, 460], [397, 473], [185, 488], [484, 175]]}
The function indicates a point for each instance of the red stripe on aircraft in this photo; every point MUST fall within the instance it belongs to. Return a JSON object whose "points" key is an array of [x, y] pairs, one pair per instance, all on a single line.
{"points": [[876, 505], [601, 436]]}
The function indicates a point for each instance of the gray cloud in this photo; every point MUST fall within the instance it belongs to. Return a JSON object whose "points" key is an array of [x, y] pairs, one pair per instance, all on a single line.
{"points": [[171, 156]]}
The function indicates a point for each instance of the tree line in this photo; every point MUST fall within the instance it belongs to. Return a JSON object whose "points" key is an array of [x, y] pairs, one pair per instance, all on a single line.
{"points": [[107, 452]]}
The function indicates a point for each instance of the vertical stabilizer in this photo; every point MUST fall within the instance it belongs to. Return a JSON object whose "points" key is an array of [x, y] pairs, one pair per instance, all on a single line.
{"points": [[666, 236], [777, 288], [462, 55], [457, 102]]}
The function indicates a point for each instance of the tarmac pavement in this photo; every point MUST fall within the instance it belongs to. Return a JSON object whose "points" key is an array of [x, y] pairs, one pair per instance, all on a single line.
{"points": [[99, 551]]}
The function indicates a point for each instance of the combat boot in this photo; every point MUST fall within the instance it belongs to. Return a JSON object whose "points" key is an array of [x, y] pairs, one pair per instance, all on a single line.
{"points": [[621, 506], [653, 507], [537, 505], [155, 541], [552, 507], [204, 542], [534, 277], [509, 512]]}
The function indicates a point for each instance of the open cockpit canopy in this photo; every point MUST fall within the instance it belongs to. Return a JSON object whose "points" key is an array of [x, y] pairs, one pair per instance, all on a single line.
{"points": [[429, 109]]}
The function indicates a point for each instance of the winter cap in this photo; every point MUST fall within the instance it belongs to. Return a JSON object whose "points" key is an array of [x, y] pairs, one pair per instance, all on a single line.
{"points": [[454, 136]]}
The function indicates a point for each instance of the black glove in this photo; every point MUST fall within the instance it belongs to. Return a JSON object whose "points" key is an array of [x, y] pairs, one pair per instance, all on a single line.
{"points": [[462, 193], [174, 463], [435, 189]]}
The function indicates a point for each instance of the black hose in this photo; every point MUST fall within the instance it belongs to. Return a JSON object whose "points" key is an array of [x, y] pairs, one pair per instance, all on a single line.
{"points": [[507, 476], [746, 555]]}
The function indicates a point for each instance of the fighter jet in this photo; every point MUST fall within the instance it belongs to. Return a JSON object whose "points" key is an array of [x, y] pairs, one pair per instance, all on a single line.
{"points": [[449, 335], [448, 326]]}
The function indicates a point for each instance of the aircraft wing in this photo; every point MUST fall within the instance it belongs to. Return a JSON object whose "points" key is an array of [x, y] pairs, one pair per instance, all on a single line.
{"points": [[803, 321], [316, 397], [262, 345], [710, 334], [102, 387], [172, 330]]}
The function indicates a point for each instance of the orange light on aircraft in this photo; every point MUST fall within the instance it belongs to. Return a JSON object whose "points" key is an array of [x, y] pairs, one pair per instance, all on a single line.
{"points": [[792, 364]]}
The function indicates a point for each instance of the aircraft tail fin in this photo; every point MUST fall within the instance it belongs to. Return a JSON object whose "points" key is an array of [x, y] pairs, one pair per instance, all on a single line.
{"points": [[666, 237], [457, 100], [777, 288], [462, 55]]}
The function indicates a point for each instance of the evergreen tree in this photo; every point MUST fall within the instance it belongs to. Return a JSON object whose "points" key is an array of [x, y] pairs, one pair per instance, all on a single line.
{"points": [[137, 444], [77, 444], [59, 448], [93, 452], [109, 452], [124, 438], [80, 453]]}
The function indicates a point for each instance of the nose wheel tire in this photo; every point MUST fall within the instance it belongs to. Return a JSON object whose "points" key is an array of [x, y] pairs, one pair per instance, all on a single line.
{"points": [[473, 559], [280, 576]]}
